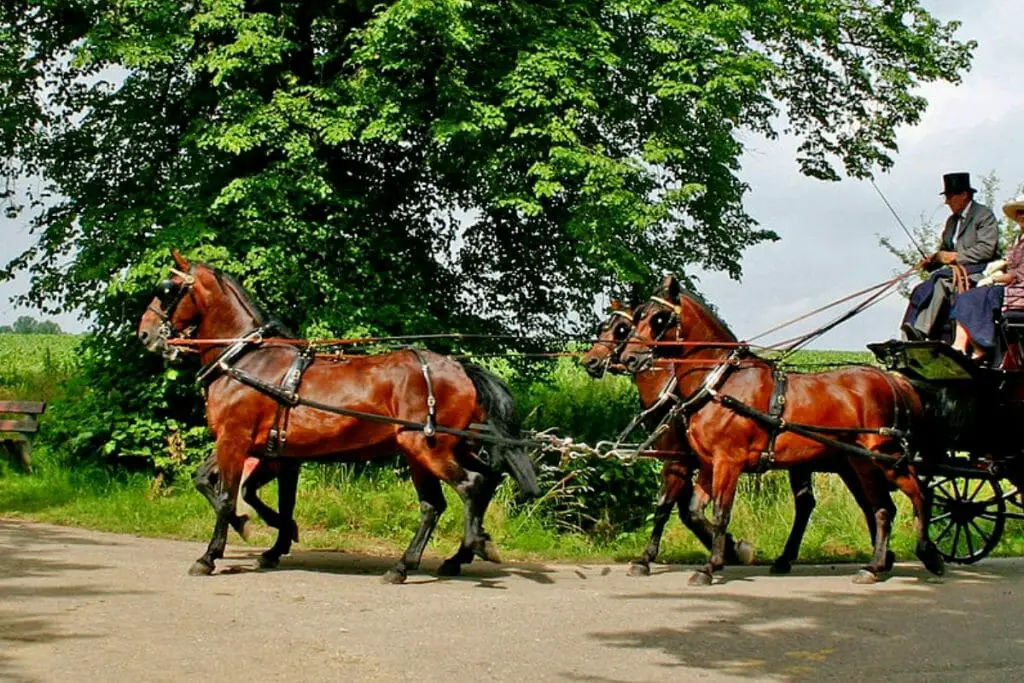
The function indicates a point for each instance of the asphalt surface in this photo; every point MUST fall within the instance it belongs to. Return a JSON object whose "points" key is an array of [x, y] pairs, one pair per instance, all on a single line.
{"points": [[85, 606]]}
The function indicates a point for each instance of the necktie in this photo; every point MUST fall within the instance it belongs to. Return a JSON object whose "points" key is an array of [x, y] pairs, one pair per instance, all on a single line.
{"points": [[958, 222]]}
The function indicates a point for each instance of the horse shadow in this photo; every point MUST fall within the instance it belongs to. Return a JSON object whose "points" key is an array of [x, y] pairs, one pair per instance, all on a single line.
{"points": [[482, 574]]}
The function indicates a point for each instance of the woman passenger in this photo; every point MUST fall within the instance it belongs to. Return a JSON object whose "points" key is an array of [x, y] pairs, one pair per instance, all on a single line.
{"points": [[975, 311]]}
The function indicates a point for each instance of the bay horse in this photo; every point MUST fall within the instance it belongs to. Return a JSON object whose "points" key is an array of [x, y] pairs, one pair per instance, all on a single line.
{"points": [[862, 406], [202, 303], [677, 473]]}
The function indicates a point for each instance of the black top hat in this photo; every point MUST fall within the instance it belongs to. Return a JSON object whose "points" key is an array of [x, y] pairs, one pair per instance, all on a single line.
{"points": [[955, 183]]}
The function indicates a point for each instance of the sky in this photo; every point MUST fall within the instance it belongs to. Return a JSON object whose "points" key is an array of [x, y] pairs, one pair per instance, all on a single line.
{"points": [[829, 231]]}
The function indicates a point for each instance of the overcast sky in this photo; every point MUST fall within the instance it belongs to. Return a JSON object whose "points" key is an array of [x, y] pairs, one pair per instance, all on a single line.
{"points": [[829, 246]]}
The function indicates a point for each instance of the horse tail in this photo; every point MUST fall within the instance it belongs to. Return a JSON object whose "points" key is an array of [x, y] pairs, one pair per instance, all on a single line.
{"points": [[497, 401]]}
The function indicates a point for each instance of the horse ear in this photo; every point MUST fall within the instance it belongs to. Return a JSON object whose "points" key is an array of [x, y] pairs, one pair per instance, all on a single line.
{"points": [[671, 287], [182, 262], [635, 292]]}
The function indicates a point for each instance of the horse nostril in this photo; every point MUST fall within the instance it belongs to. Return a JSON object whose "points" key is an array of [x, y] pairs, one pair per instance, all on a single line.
{"points": [[143, 336]]}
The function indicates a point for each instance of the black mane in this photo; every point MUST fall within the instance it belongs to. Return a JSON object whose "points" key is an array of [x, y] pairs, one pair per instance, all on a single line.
{"points": [[229, 281], [642, 311]]}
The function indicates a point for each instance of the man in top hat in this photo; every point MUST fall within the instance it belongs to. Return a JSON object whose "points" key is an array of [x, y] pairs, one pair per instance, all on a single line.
{"points": [[970, 239]]}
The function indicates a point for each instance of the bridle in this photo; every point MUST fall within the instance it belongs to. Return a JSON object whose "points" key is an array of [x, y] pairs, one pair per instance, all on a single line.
{"points": [[167, 308], [614, 345]]}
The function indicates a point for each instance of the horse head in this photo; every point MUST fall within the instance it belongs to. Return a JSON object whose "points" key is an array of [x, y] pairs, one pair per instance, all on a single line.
{"points": [[670, 315], [612, 334]]}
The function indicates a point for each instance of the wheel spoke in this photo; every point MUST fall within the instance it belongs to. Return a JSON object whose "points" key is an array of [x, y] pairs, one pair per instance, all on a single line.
{"points": [[939, 518], [956, 489], [977, 489], [944, 532], [956, 540], [984, 536], [969, 537]]}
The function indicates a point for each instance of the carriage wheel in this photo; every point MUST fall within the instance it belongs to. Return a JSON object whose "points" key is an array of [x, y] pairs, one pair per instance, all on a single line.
{"points": [[968, 516]]}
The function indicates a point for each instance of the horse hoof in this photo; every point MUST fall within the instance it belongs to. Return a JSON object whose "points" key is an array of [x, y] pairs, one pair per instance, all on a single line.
{"points": [[268, 561], [866, 577], [200, 568], [746, 552], [246, 530], [781, 566], [933, 561], [295, 532], [639, 569], [700, 579], [393, 576], [450, 568], [890, 560]]}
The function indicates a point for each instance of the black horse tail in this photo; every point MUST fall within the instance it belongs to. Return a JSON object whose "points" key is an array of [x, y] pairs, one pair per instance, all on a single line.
{"points": [[497, 401]]}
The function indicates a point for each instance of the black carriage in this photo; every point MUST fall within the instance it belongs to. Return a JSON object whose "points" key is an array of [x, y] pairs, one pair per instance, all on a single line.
{"points": [[968, 444]]}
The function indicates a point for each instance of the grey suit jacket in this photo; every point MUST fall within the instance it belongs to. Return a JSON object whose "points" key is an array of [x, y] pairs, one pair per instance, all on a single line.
{"points": [[979, 239]]}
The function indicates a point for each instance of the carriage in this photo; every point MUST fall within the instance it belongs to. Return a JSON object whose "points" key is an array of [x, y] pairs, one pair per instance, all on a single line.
{"points": [[971, 411]]}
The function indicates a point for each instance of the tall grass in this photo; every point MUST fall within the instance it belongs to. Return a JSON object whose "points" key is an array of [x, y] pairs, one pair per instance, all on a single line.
{"points": [[36, 366]]}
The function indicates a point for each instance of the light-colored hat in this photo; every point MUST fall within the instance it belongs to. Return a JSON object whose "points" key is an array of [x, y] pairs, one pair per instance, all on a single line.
{"points": [[1011, 208]]}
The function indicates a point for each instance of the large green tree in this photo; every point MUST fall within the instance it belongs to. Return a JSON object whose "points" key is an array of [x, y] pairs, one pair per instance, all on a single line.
{"points": [[424, 165]]}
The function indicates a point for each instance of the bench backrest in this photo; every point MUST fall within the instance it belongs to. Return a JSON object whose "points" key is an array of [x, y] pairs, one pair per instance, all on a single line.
{"points": [[26, 424]]}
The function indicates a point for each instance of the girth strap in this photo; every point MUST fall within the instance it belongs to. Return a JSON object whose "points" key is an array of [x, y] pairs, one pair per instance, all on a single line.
{"points": [[278, 435], [430, 427], [776, 406]]}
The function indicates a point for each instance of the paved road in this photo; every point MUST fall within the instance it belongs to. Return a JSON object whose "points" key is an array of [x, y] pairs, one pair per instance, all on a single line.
{"points": [[84, 606]]}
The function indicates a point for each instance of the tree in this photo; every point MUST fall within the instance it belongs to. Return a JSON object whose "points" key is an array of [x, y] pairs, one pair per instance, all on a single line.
{"points": [[425, 165], [26, 324]]}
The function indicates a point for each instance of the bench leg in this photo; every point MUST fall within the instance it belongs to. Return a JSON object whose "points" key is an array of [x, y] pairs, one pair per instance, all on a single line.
{"points": [[25, 452]]}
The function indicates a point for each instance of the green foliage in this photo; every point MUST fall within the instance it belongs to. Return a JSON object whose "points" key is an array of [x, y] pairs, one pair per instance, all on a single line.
{"points": [[422, 165]]}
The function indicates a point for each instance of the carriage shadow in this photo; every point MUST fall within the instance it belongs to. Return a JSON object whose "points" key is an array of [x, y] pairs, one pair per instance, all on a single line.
{"points": [[483, 574], [914, 627]]}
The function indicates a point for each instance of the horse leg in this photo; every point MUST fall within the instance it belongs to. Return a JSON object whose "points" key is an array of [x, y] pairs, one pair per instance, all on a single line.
{"points": [[207, 482], [801, 483], [856, 489], [725, 479], [926, 551], [287, 529], [229, 462], [873, 484], [736, 552], [476, 491], [676, 486], [432, 505]]}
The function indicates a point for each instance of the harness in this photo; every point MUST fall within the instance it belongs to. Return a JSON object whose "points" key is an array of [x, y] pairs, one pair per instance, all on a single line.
{"points": [[285, 394], [772, 420]]}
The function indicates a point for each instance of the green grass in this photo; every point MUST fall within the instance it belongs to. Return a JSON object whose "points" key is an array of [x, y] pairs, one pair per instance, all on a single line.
{"points": [[377, 514]]}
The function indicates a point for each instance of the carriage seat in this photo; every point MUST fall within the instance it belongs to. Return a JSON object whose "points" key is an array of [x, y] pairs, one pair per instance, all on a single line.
{"points": [[1011, 335]]}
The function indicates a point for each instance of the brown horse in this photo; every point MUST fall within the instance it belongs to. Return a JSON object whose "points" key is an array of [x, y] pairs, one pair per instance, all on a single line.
{"points": [[205, 304], [861, 407], [677, 483]]}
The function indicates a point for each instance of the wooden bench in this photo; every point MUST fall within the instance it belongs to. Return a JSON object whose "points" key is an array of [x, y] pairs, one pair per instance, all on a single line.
{"points": [[18, 424]]}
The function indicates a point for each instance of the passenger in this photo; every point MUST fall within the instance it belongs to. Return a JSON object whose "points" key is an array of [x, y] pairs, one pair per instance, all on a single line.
{"points": [[970, 239], [1002, 287]]}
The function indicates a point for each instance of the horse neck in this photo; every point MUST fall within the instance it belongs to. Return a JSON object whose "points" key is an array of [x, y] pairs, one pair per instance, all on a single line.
{"points": [[701, 360], [225, 317]]}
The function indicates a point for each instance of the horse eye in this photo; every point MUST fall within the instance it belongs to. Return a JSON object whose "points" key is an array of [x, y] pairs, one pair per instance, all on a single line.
{"points": [[660, 320], [621, 331]]}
